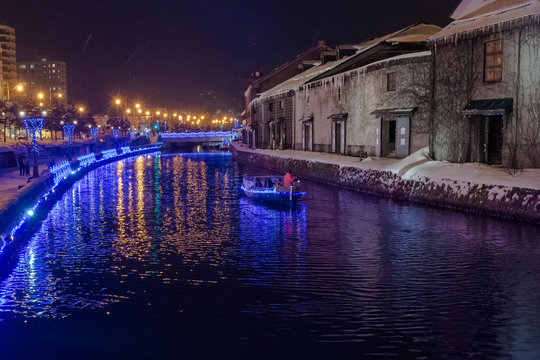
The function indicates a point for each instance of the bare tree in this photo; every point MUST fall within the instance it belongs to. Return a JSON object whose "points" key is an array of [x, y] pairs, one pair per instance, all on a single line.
{"points": [[524, 144], [8, 113]]}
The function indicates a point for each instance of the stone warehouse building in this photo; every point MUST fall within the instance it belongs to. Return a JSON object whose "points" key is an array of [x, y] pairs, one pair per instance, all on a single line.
{"points": [[371, 102], [471, 91], [486, 86], [289, 69], [274, 110]]}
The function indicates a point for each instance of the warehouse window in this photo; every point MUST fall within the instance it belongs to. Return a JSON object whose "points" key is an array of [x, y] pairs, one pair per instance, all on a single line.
{"points": [[391, 81], [493, 61]]}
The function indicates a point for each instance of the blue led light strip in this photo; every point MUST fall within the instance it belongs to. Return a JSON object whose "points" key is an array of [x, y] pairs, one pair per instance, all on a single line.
{"points": [[272, 191], [61, 172], [87, 159]]}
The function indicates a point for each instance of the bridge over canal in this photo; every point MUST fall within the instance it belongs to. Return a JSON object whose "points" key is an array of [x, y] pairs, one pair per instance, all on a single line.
{"points": [[174, 142]]}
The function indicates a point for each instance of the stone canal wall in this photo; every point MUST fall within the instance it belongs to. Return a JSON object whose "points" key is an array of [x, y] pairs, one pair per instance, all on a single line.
{"points": [[503, 201], [13, 215]]}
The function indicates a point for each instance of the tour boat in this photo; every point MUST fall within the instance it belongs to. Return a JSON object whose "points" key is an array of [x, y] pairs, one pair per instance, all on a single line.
{"points": [[270, 188]]}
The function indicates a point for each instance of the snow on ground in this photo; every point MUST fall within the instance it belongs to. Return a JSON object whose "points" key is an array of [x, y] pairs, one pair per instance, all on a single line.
{"points": [[475, 173], [11, 183], [420, 166]]}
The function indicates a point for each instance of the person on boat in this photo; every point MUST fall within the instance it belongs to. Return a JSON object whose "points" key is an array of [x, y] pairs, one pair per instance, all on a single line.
{"points": [[288, 178]]}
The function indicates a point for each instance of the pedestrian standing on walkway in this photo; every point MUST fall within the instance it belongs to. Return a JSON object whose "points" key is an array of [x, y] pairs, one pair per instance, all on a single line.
{"points": [[22, 167], [27, 163]]}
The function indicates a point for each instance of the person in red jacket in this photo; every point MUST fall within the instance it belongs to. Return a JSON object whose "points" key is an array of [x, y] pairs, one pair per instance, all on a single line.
{"points": [[288, 179]]}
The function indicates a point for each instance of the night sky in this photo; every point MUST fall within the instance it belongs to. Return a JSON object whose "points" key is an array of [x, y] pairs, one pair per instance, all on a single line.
{"points": [[182, 54]]}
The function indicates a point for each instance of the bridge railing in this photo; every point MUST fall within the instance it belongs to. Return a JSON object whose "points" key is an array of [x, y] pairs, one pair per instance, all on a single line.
{"points": [[191, 135]]}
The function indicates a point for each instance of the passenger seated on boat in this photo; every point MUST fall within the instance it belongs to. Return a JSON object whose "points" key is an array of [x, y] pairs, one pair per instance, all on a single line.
{"points": [[258, 183]]}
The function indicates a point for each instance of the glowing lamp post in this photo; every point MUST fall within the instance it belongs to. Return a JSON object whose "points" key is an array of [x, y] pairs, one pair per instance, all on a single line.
{"points": [[32, 126], [69, 130]]}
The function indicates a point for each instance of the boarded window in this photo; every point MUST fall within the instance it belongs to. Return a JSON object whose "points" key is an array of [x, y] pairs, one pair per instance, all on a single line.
{"points": [[391, 81], [281, 104], [493, 61]]}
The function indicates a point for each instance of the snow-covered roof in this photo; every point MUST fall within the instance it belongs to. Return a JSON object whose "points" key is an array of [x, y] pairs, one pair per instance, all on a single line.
{"points": [[468, 6], [416, 33], [400, 57], [413, 34], [321, 46], [300, 79], [494, 16], [306, 76]]}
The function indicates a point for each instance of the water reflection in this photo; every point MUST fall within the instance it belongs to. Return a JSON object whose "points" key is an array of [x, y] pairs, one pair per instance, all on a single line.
{"points": [[174, 234]]}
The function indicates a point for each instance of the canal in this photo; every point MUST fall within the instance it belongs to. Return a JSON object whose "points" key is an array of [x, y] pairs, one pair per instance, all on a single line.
{"points": [[162, 257]]}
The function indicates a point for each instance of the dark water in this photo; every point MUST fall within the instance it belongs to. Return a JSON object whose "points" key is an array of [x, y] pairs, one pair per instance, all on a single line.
{"points": [[161, 257]]}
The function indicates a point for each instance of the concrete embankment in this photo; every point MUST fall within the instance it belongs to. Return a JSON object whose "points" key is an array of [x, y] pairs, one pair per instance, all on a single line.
{"points": [[458, 192], [14, 214]]}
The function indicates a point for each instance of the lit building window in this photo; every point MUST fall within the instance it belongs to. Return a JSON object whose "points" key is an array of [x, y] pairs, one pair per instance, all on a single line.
{"points": [[493, 61]]}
